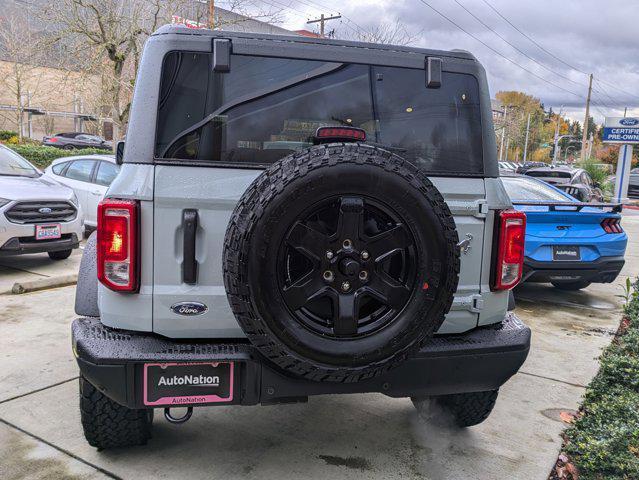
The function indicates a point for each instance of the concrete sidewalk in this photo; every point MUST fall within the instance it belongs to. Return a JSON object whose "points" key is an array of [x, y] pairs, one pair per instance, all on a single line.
{"points": [[349, 437]]}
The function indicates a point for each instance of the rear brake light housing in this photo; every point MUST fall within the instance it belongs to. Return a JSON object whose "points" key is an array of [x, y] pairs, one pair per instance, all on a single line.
{"points": [[344, 134], [511, 238], [117, 244], [612, 225]]}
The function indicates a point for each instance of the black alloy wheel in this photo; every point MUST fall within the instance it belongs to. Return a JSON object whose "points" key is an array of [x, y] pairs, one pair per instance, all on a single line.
{"points": [[347, 268]]}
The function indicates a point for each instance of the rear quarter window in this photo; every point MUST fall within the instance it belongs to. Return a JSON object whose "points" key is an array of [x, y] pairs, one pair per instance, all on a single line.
{"points": [[266, 108]]}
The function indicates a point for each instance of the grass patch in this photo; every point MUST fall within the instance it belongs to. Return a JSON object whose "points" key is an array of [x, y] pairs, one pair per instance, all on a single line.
{"points": [[603, 443]]}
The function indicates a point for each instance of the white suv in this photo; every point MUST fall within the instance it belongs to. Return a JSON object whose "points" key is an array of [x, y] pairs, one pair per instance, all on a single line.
{"points": [[36, 214]]}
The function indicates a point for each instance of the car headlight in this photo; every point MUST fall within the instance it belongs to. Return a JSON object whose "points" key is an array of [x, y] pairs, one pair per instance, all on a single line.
{"points": [[3, 202]]}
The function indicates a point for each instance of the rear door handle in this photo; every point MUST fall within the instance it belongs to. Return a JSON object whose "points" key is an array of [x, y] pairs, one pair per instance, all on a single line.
{"points": [[189, 264]]}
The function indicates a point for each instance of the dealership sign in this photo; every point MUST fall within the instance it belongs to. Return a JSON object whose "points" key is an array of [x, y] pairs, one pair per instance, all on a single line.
{"points": [[621, 130]]}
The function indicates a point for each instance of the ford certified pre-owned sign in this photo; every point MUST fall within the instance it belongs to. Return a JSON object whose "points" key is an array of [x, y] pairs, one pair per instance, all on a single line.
{"points": [[621, 130], [189, 308]]}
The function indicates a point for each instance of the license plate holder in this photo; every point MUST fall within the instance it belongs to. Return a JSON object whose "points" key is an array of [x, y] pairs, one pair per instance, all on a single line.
{"points": [[566, 253], [175, 384], [50, 231]]}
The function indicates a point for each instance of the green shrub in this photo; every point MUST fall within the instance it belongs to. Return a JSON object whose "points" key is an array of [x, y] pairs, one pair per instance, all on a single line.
{"points": [[5, 135], [42, 156], [599, 174], [604, 441]]}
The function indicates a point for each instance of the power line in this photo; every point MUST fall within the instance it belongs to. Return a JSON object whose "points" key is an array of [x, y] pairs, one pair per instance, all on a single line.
{"points": [[498, 52], [516, 48], [533, 40]]}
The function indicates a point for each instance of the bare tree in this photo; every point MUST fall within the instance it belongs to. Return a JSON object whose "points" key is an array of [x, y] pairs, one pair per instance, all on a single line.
{"points": [[390, 33], [21, 49], [110, 35]]}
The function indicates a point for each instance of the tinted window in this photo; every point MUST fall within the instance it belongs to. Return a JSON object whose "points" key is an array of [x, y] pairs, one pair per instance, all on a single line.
{"points": [[57, 169], [526, 189], [80, 170], [549, 174], [106, 173], [267, 108]]}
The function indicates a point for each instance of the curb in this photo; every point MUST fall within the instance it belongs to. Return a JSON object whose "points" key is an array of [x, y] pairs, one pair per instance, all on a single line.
{"points": [[44, 283]]}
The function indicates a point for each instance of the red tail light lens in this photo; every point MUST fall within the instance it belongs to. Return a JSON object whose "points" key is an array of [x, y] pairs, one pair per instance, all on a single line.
{"points": [[612, 225], [52, 139], [510, 249], [341, 133], [117, 245]]}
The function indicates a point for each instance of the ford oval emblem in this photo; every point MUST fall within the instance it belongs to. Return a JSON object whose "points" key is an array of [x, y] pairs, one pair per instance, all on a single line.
{"points": [[629, 122], [189, 308], [44, 210]]}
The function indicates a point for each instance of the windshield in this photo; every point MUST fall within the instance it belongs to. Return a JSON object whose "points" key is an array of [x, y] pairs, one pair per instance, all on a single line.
{"points": [[529, 190], [13, 164]]}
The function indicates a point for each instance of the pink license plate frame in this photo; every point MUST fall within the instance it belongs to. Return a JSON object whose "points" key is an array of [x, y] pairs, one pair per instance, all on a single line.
{"points": [[39, 229], [187, 399]]}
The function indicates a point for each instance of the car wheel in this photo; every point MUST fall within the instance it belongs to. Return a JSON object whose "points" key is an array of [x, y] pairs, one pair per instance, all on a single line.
{"points": [[68, 147], [339, 261], [60, 255], [571, 286], [107, 424], [461, 409]]}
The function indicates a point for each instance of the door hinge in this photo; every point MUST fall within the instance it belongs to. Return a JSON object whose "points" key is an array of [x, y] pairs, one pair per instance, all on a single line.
{"points": [[472, 303], [477, 208]]}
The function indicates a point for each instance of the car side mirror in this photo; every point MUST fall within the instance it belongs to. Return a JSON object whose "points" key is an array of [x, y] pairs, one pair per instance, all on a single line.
{"points": [[119, 152]]}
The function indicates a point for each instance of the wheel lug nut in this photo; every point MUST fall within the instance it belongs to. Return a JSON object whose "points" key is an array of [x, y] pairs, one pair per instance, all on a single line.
{"points": [[347, 243], [363, 275], [328, 276], [346, 286], [329, 255], [365, 255]]}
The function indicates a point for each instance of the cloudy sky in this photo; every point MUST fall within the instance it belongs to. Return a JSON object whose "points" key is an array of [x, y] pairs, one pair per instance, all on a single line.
{"points": [[598, 36]]}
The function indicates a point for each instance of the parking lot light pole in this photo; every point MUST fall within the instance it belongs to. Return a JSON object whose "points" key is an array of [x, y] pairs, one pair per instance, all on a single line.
{"points": [[526, 142]]}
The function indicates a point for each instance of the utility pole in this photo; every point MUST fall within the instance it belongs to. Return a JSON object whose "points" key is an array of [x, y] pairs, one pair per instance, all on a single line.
{"points": [[212, 14], [526, 144], [584, 139], [322, 21], [503, 133]]}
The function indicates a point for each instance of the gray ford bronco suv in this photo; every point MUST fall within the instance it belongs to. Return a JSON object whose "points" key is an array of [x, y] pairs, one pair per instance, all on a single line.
{"points": [[298, 217]]}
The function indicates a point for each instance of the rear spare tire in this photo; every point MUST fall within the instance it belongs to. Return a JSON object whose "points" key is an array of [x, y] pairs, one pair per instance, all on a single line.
{"points": [[339, 261]]}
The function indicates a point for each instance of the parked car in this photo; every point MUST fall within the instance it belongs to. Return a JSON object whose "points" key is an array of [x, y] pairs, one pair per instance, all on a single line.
{"points": [[633, 184], [89, 176], [37, 214], [508, 166], [576, 182], [524, 167], [569, 243], [77, 140], [297, 234]]}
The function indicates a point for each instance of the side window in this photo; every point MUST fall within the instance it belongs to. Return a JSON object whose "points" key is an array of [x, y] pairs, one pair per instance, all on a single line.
{"points": [[106, 173], [80, 170], [57, 169]]}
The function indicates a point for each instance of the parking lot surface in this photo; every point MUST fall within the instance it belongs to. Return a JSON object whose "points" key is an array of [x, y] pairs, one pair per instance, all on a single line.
{"points": [[357, 436]]}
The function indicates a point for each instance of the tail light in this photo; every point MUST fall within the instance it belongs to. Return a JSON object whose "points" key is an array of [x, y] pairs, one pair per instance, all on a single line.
{"points": [[612, 225], [52, 139], [509, 263], [118, 250]]}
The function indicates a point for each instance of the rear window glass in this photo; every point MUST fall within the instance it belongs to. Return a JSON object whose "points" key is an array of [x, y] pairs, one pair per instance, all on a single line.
{"points": [[526, 189], [80, 170], [549, 174], [266, 108]]}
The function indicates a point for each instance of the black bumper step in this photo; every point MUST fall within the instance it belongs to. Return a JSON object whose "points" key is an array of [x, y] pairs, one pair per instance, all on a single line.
{"points": [[482, 359]]}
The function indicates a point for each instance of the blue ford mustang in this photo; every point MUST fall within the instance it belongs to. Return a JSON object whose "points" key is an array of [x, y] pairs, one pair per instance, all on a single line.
{"points": [[568, 243]]}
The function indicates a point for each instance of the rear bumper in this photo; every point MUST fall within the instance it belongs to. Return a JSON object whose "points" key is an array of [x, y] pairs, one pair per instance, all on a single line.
{"points": [[602, 270], [480, 360]]}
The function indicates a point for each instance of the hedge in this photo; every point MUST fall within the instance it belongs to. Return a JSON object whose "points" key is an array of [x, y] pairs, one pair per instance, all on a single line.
{"points": [[604, 441], [42, 156]]}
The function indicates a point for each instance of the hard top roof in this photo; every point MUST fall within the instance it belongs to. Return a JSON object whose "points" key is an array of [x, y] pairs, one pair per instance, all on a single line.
{"points": [[182, 30]]}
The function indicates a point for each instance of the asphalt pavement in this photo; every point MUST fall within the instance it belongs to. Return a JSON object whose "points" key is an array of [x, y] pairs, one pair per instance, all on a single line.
{"points": [[338, 437]]}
